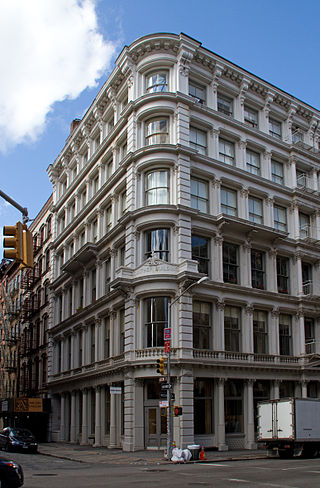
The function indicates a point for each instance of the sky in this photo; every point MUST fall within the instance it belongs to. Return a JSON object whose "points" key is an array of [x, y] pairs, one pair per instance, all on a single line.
{"points": [[56, 54]]}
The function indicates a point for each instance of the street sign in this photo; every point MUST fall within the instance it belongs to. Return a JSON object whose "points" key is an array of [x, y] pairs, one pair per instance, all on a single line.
{"points": [[163, 394], [166, 386], [166, 347], [115, 390], [167, 333], [163, 404]]}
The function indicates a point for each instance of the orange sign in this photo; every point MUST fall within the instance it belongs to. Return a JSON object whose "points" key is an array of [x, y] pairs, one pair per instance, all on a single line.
{"points": [[28, 405]]}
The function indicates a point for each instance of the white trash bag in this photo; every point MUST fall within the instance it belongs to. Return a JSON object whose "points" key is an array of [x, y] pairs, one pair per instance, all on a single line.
{"points": [[180, 456]]}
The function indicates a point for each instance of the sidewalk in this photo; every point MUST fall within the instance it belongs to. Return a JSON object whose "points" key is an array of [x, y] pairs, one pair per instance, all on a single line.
{"points": [[103, 455]]}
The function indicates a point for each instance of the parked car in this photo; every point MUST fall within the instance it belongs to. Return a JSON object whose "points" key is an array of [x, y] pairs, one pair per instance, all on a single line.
{"points": [[11, 474], [17, 438]]}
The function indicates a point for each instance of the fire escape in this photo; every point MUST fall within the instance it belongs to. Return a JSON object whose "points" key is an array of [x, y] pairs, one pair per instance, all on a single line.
{"points": [[30, 335], [9, 335]]}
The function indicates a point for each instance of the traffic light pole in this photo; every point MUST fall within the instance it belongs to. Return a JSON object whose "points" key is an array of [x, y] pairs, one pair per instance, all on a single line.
{"points": [[169, 391], [23, 210]]}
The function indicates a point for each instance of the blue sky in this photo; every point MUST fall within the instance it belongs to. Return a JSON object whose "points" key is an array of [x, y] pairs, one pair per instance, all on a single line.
{"points": [[48, 86]]}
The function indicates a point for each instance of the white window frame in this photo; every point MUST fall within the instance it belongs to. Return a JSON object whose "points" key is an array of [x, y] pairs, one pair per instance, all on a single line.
{"points": [[277, 172], [226, 151], [229, 202], [198, 140], [157, 131], [253, 162], [275, 128], [154, 83], [255, 210]]}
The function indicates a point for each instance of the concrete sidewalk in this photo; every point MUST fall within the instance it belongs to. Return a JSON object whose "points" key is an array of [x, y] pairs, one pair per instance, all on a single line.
{"points": [[103, 455]]}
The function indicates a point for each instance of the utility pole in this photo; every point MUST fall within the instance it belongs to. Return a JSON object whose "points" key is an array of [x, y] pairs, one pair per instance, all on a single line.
{"points": [[169, 390], [23, 210]]}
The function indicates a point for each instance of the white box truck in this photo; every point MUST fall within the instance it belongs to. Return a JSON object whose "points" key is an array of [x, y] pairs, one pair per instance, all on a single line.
{"points": [[290, 427]]}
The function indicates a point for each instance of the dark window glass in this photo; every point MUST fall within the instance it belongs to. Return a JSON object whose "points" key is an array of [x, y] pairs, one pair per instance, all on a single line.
{"points": [[230, 263], [200, 252], [156, 320]]}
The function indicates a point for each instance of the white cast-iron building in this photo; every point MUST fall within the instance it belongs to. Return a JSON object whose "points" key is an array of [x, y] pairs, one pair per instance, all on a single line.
{"points": [[185, 165]]}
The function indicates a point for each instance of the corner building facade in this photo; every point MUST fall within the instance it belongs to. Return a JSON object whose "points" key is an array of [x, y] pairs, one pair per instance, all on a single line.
{"points": [[185, 165]]}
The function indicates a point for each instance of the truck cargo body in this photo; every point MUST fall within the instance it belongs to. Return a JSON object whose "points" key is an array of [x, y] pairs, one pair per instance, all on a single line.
{"points": [[290, 427]]}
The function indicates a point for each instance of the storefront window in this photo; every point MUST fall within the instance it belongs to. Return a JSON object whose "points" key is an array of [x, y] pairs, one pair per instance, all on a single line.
{"points": [[203, 407], [233, 407]]}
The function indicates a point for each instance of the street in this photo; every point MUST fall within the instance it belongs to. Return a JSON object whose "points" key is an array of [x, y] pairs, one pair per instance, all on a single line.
{"points": [[49, 472]]}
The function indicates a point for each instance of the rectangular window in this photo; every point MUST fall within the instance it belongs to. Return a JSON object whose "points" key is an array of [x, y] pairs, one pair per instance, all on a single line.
{"points": [[108, 218], [304, 225], [285, 335], [92, 343], [232, 328], [233, 407], [253, 162], [197, 91], [156, 320], [255, 210], [228, 201], [157, 244], [302, 179], [122, 329], [277, 173], [275, 128], [230, 263], [280, 218], [258, 269], [201, 325], [106, 352], [226, 152], [157, 187], [260, 332], [198, 140], [250, 116], [203, 406], [107, 273], [309, 334], [225, 104], [199, 195], [306, 278], [283, 274], [200, 253]]}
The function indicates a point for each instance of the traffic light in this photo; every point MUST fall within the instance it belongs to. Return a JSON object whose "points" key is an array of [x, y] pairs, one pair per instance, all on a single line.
{"points": [[27, 261], [177, 411], [13, 246], [160, 365], [19, 246]]}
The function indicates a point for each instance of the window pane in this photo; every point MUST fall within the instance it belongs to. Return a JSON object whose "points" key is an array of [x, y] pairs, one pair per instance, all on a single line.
{"points": [[230, 263], [157, 131], [228, 201], [200, 252], [255, 210], [157, 82], [157, 191], [226, 152], [280, 218], [198, 140], [253, 162], [199, 195], [157, 244]]}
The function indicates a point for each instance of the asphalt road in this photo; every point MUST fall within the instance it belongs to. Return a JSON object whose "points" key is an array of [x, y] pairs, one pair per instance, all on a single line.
{"points": [[48, 472]]}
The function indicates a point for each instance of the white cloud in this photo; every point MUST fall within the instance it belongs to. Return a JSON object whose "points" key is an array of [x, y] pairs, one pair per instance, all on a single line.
{"points": [[50, 50]]}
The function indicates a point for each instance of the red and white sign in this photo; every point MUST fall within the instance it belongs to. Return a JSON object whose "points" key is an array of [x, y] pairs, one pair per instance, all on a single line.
{"points": [[166, 346], [167, 334]]}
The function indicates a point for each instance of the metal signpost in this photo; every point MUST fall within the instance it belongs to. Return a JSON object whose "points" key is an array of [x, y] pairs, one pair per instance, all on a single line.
{"points": [[170, 395]]}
